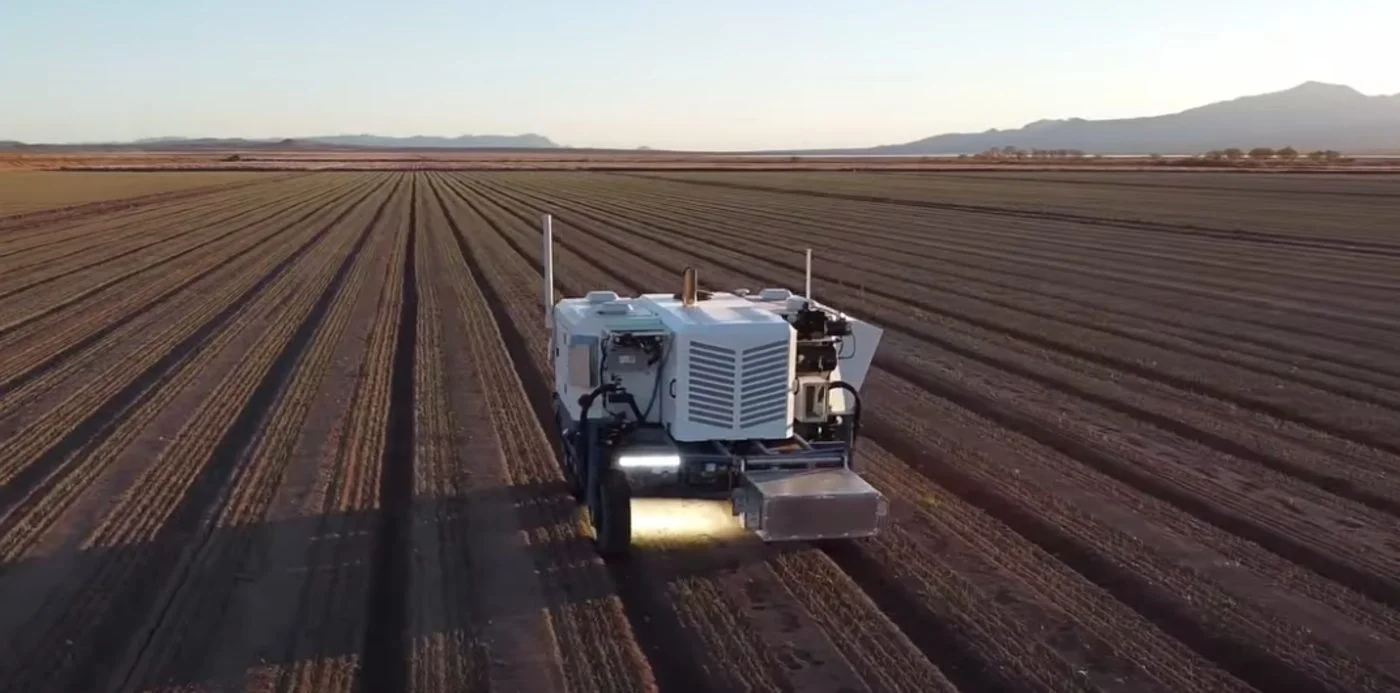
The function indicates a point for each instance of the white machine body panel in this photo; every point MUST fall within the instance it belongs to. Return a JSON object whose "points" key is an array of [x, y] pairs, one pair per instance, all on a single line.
{"points": [[737, 389], [730, 373], [729, 365], [581, 329]]}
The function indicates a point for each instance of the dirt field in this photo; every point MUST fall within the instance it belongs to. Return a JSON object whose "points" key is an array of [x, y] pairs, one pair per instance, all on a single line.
{"points": [[1139, 433], [32, 191]]}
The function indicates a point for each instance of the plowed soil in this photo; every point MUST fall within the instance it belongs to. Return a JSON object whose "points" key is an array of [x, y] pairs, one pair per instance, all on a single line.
{"points": [[1140, 432]]}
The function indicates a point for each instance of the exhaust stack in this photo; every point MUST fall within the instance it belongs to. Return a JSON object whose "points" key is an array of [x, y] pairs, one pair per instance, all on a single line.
{"points": [[689, 287]]}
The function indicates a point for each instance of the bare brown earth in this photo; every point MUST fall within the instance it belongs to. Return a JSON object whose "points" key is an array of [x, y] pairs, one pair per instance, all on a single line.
{"points": [[1139, 433]]}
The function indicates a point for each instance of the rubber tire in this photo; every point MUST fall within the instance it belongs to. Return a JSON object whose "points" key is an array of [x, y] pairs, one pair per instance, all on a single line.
{"points": [[613, 527], [571, 480]]}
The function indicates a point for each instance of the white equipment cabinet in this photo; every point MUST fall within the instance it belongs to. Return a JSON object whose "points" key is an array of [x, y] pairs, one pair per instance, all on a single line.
{"points": [[754, 398]]}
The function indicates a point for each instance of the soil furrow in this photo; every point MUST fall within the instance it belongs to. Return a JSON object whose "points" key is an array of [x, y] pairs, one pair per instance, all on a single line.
{"points": [[216, 631], [326, 643], [1239, 235], [65, 255], [49, 348], [478, 612], [116, 595], [37, 456], [221, 468], [385, 658], [22, 314], [588, 607], [12, 224], [930, 234]]}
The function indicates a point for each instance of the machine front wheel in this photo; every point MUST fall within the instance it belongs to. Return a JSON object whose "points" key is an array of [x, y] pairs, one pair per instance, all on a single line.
{"points": [[613, 526]]}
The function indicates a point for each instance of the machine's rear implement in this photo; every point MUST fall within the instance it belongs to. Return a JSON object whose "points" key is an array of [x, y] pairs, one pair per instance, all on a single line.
{"points": [[750, 397]]}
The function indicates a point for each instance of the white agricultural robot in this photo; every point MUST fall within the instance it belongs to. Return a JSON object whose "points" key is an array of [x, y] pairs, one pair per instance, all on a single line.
{"points": [[703, 394]]}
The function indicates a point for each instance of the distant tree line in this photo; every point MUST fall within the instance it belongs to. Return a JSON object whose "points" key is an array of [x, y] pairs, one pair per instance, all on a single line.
{"points": [[1232, 154], [1265, 153], [1010, 152]]}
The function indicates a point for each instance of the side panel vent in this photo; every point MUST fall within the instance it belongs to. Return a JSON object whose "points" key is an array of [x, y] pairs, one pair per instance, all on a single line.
{"points": [[711, 387], [763, 390]]}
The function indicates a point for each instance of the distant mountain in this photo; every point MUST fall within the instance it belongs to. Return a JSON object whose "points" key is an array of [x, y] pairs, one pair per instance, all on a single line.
{"points": [[1312, 115], [528, 141]]}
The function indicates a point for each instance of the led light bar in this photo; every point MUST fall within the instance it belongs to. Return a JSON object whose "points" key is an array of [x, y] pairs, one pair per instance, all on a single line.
{"points": [[649, 461]]}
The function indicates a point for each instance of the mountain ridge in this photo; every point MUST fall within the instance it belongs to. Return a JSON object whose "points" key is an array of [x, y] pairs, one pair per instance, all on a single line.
{"points": [[1312, 115], [355, 141]]}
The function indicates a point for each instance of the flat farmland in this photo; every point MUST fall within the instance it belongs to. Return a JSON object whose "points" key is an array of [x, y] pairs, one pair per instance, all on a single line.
{"points": [[35, 191], [1139, 432]]}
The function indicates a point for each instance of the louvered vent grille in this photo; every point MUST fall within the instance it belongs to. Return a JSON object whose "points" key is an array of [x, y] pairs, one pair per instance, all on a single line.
{"points": [[711, 386], [763, 390]]}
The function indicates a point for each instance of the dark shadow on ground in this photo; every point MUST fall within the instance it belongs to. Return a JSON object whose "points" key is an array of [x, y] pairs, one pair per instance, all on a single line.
{"points": [[84, 619]]}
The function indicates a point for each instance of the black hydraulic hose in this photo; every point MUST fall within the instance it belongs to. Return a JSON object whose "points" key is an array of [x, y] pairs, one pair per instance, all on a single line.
{"points": [[586, 402], [855, 409]]}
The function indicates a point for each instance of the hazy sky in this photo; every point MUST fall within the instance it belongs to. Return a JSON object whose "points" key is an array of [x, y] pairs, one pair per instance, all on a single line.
{"points": [[719, 74]]}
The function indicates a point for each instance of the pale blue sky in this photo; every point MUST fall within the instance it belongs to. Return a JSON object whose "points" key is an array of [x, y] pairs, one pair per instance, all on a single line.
{"points": [[717, 74]]}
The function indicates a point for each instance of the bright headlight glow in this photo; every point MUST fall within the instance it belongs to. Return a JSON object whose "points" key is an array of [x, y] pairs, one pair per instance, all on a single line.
{"points": [[682, 520], [649, 461]]}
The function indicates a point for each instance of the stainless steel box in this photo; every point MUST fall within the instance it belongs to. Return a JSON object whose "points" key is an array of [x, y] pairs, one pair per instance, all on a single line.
{"points": [[809, 504]]}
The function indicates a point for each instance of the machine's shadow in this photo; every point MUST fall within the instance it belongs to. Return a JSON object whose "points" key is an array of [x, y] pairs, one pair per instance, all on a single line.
{"points": [[253, 603]]}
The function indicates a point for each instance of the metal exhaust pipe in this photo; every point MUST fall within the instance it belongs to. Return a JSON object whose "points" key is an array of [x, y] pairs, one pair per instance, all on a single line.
{"points": [[689, 287]]}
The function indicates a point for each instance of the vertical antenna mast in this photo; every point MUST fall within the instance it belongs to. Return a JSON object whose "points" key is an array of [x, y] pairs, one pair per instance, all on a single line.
{"points": [[548, 271], [807, 289]]}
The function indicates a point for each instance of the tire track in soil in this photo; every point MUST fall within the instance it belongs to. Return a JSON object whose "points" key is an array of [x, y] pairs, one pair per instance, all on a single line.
{"points": [[1370, 584], [803, 607], [385, 657], [974, 402], [1238, 235], [195, 517], [97, 423]]}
